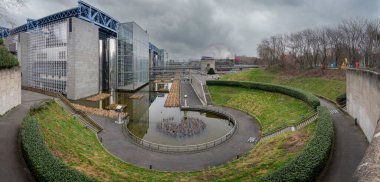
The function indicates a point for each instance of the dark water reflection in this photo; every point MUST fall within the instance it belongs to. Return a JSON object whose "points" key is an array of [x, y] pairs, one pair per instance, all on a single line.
{"points": [[145, 113]]}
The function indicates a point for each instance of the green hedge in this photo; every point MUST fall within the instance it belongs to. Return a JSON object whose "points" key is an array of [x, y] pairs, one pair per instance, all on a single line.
{"points": [[40, 160], [341, 99], [309, 98], [7, 60], [311, 161]]}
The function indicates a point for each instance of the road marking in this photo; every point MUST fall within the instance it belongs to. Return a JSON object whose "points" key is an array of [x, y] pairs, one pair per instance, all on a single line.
{"points": [[334, 111]]}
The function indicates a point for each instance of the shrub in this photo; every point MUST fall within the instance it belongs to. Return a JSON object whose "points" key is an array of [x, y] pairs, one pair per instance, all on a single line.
{"points": [[341, 99], [40, 160], [309, 98], [311, 161], [7, 60], [211, 71], [1, 41]]}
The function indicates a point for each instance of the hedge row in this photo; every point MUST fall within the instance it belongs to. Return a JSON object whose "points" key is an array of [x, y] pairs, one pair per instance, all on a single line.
{"points": [[40, 160], [341, 99], [7, 60], [309, 98], [311, 161]]}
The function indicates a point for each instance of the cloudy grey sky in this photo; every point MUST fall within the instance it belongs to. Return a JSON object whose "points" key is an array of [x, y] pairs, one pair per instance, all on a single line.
{"points": [[192, 28]]}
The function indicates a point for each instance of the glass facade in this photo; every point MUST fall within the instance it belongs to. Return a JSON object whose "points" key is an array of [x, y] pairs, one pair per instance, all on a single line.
{"points": [[132, 56], [46, 65]]}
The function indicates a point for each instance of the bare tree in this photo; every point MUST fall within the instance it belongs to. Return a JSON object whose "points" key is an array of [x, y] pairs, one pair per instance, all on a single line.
{"points": [[357, 38], [7, 6]]}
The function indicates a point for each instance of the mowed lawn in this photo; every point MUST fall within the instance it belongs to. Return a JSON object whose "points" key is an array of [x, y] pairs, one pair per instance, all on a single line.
{"points": [[79, 148], [328, 88], [273, 110]]}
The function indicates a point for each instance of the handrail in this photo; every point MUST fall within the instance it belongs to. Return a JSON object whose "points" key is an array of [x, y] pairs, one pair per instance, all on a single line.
{"points": [[88, 120], [187, 148]]}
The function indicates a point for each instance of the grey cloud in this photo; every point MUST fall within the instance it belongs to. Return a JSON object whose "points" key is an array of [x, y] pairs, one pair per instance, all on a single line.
{"points": [[188, 28]]}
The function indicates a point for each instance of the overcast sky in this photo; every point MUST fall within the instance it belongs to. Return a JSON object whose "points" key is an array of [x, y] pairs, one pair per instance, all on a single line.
{"points": [[219, 28]]}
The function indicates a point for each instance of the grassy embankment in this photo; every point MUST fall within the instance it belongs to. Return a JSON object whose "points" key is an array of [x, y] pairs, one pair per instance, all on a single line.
{"points": [[273, 110], [329, 88], [79, 148]]}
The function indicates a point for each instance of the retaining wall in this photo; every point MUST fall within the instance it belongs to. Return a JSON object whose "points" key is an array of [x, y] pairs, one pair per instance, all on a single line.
{"points": [[363, 99], [10, 89], [363, 103]]}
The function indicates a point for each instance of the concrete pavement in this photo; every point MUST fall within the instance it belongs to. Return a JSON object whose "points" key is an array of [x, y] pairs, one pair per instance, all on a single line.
{"points": [[350, 145], [12, 164], [123, 147]]}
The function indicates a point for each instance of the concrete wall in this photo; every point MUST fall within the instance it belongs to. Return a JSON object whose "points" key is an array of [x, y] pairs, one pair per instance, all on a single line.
{"points": [[10, 89], [83, 60], [363, 99], [369, 168], [23, 56]]}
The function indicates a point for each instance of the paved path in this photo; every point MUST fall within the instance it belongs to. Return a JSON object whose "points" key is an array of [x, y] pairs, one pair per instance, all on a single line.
{"points": [[12, 165], [118, 144], [192, 98], [350, 145]]}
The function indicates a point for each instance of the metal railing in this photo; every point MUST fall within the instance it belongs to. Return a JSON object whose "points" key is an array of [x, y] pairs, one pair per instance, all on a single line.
{"points": [[187, 148], [88, 121]]}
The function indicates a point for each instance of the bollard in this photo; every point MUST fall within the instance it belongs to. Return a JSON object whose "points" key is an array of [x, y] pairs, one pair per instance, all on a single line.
{"points": [[101, 140], [237, 157], [150, 166], [356, 121]]}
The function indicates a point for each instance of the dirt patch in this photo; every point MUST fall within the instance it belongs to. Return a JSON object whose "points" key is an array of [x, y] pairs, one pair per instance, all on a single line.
{"points": [[294, 142], [98, 97]]}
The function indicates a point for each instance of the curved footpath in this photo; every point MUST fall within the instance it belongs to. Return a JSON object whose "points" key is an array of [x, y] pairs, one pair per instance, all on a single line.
{"points": [[123, 147], [12, 165], [350, 145]]}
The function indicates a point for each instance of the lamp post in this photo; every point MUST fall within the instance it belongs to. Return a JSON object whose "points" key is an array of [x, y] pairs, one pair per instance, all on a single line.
{"points": [[185, 113]]}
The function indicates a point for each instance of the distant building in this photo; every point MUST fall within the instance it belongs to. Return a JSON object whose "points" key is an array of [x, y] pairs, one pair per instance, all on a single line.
{"points": [[246, 60], [206, 64], [224, 64]]}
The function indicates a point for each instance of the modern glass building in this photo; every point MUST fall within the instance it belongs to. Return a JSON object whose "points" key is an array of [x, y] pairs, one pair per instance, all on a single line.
{"points": [[132, 56], [80, 52]]}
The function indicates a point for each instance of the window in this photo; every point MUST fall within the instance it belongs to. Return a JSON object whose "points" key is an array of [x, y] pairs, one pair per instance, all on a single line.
{"points": [[62, 55]]}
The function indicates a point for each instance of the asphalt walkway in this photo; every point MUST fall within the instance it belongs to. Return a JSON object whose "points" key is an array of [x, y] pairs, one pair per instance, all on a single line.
{"points": [[12, 164], [123, 147], [350, 145], [192, 98]]}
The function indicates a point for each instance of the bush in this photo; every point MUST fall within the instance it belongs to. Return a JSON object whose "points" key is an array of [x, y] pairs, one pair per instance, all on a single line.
{"points": [[311, 161], [7, 60], [40, 160], [1, 41], [309, 98], [211, 71], [341, 99]]}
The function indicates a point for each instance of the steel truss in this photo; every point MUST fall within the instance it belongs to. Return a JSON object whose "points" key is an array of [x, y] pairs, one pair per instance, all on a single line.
{"points": [[4, 32], [83, 11]]}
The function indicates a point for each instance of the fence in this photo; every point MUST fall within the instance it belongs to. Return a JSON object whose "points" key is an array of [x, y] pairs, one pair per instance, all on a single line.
{"points": [[187, 148]]}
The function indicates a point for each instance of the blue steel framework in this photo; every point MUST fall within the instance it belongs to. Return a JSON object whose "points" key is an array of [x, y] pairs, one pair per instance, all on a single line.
{"points": [[84, 11], [4, 32]]}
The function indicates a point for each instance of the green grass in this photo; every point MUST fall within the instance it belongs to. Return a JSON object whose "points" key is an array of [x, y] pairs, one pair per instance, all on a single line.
{"points": [[274, 110], [324, 87], [79, 148]]}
